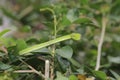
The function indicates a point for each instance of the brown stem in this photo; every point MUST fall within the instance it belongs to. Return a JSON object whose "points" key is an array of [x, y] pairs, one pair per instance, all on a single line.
{"points": [[32, 69]]}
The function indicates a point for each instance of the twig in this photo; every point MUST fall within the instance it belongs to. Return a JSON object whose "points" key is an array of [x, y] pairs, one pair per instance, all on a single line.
{"points": [[104, 23], [47, 64], [55, 35], [32, 70], [52, 71], [24, 71]]}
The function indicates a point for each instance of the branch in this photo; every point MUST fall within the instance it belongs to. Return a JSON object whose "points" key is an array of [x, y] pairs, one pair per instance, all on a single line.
{"points": [[24, 71], [30, 71], [47, 64], [104, 23]]}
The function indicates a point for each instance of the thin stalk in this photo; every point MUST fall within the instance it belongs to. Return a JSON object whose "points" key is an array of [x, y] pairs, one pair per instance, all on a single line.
{"points": [[55, 35], [52, 69], [104, 24], [47, 64], [54, 46], [55, 31], [55, 25], [32, 70]]}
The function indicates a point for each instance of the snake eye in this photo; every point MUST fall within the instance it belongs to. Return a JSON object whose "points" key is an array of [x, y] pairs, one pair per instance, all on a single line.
{"points": [[75, 36]]}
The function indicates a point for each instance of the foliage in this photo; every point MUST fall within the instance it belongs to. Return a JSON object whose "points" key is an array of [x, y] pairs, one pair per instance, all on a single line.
{"points": [[43, 30]]}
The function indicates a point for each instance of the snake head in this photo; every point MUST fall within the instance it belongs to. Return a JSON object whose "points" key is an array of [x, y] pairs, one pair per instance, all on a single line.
{"points": [[75, 36]]}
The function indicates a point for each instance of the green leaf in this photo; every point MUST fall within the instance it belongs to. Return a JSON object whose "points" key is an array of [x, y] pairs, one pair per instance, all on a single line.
{"points": [[80, 70], [7, 42], [82, 20], [71, 15], [65, 21], [25, 12], [4, 66], [111, 78], [21, 44], [6, 76], [63, 63], [61, 77], [26, 28], [114, 59], [73, 77], [2, 54], [117, 76], [65, 52], [9, 13], [74, 62], [4, 32], [84, 2], [101, 75]]}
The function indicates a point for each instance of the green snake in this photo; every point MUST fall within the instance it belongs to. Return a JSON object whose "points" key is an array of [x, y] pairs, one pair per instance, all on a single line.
{"points": [[74, 36]]}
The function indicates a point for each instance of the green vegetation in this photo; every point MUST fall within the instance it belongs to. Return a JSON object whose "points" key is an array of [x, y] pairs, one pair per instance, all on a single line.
{"points": [[60, 40]]}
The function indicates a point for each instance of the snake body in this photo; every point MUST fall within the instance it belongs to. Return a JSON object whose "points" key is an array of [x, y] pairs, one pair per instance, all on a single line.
{"points": [[74, 36]]}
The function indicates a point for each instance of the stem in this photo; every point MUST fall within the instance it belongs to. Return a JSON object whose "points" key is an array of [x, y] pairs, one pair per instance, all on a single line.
{"points": [[54, 46], [54, 21], [24, 71], [104, 23], [52, 70], [47, 64], [55, 34], [55, 31], [32, 70], [55, 25]]}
